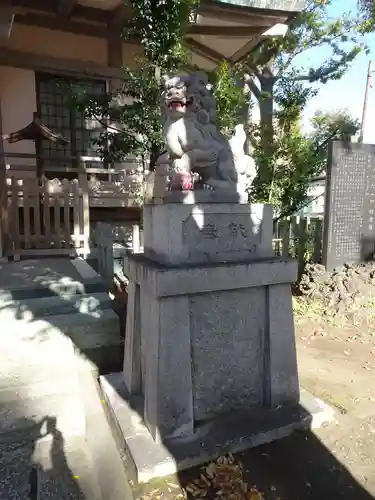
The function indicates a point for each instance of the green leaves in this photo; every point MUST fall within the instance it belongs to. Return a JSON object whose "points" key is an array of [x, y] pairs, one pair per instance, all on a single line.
{"points": [[286, 158], [339, 125], [134, 126], [160, 26], [230, 97], [367, 11]]}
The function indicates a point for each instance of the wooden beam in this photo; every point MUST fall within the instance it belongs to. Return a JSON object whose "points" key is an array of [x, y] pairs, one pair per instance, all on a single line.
{"points": [[49, 7], [65, 7], [47, 64], [4, 228], [228, 31], [240, 13], [250, 20], [253, 42], [243, 51], [72, 25], [96, 31], [119, 16], [205, 52], [62, 24], [6, 22], [114, 55], [243, 15]]}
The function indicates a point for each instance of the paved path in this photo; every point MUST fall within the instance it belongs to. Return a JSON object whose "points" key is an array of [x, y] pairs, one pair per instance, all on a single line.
{"points": [[51, 312]]}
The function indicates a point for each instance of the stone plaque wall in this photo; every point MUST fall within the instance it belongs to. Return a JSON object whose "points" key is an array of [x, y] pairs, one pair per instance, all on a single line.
{"points": [[349, 222]]}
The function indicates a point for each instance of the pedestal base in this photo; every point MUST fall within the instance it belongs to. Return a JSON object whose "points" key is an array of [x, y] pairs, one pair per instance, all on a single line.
{"points": [[147, 459], [204, 341]]}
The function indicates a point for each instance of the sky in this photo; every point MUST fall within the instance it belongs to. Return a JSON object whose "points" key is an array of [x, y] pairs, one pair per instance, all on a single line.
{"points": [[348, 92]]}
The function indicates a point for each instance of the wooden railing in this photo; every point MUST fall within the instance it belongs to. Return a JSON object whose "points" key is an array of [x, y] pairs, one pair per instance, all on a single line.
{"points": [[46, 221], [113, 185], [300, 238]]}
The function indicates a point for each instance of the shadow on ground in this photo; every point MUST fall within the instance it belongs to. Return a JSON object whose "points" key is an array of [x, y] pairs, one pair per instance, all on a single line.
{"points": [[33, 461], [298, 467]]}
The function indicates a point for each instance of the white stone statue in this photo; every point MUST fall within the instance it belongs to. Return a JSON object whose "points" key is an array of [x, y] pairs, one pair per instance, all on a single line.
{"points": [[245, 164], [196, 147]]}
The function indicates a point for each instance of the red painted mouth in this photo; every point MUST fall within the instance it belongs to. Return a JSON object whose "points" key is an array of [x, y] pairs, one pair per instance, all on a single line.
{"points": [[179, 105]]}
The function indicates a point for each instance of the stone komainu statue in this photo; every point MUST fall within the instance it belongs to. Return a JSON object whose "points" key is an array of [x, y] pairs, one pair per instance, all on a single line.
{"points": [[201, 157]]}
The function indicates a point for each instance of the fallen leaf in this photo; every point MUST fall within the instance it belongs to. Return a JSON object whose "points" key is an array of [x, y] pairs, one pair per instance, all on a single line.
{"points": [[195, 491], [211, 469], [256, 496], [201, 483], [172, 485]]}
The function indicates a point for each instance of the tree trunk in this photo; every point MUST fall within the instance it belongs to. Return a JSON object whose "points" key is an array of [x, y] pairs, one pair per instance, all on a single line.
{"points": [[265, 177], [154, 155]]}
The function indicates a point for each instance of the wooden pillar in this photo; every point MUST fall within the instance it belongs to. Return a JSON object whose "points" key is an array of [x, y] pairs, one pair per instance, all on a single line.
{"points": [[114, 57], [4, 228]]}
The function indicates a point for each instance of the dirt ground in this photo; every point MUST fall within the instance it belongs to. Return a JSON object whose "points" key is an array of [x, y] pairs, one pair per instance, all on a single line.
{"points": [[336, 360]]}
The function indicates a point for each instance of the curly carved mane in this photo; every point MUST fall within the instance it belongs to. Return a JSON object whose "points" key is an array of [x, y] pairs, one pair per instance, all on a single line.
{"points": [[194, 94]]}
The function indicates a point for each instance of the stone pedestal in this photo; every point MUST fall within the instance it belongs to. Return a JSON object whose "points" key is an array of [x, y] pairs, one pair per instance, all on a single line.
{"points": [[210, 358]]}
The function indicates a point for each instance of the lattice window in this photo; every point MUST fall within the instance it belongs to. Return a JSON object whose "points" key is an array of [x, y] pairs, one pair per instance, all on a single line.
{"points": [[54, 111]]}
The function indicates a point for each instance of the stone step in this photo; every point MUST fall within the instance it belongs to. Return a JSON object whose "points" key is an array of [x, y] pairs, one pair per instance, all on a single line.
{"points": [[51, 342], [64, 288], [25, 361], [85, 330], [58, 383], [28, 308]]}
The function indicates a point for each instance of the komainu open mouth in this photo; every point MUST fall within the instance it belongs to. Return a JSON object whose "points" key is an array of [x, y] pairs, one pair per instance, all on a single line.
{"points": [[179, 104]]}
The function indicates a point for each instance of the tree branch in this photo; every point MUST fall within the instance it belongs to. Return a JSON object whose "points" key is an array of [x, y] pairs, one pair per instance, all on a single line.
{"points": [[252, 86], [313, 76], [115, 129], [291, 210]]}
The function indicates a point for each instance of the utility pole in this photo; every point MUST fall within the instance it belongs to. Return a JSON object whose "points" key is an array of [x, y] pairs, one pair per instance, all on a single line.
{"points": [[365, 102]]}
